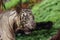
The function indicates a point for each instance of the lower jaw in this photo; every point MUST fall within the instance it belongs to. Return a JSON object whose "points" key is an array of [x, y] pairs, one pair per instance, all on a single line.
{"points": [[27, 33]]}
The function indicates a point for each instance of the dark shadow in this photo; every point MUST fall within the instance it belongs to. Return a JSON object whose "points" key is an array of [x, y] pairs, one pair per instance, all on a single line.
{"points": [[39, 26], [19, 32], [44, 25]]}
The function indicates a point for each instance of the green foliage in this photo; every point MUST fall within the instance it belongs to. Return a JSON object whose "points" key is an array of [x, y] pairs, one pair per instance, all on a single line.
{"points": [[12, 3], [47, 11], [38, 35]]}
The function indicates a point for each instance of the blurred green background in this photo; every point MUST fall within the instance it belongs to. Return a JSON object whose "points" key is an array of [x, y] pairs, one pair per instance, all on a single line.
{"points": [[46, 10]]}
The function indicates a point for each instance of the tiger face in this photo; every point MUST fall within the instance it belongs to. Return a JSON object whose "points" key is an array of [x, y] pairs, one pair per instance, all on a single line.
{"points": [[26, 21]]}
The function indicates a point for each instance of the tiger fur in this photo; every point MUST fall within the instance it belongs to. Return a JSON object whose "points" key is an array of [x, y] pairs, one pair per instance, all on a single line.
{"points": [[24, 21]]}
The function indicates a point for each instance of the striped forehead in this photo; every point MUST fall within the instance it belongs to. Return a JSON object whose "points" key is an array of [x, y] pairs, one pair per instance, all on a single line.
{"points": [[27, 11]]}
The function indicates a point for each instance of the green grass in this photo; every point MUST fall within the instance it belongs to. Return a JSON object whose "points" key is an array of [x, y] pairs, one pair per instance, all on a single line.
{"points": [[38, 35]]}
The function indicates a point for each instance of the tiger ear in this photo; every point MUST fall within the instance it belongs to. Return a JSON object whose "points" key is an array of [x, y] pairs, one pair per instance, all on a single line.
{"points": [[18, 9], [25, 5]]}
